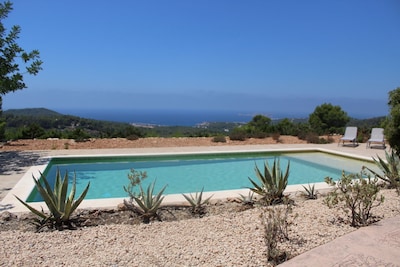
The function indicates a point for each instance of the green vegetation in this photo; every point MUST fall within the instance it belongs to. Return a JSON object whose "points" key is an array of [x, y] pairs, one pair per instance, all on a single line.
{"points": [[219, 139], [135, 178], [355, 195], [248, 200], [273, 182], [42, 123], [390, 170], [60, 206], [196, 202], [147, 204], [392, 129], [11, 54], [328, 119], [310, 192]]}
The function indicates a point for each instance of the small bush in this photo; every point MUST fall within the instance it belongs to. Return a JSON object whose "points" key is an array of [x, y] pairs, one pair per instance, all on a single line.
{"points": [[275, 222], [132, 137], [219, 139], [312, 138], [356, 196], [135, 178], [238, 136], [259, 135]]}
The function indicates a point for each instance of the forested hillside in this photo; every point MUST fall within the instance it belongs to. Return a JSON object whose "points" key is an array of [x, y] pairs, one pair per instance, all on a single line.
{"points": [[44, 123]]}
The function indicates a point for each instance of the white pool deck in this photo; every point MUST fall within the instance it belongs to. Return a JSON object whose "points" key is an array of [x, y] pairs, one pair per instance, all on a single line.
{"points": [[22, 182]]}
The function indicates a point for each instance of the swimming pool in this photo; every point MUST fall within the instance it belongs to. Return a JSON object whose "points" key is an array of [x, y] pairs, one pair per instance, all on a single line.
{"points": [[191, 172]]}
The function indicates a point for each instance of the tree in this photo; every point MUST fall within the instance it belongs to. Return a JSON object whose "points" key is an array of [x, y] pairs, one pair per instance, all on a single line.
{"points": [[11, 77], [286, 127], [328, 119], [392, 129], [260, 123]]}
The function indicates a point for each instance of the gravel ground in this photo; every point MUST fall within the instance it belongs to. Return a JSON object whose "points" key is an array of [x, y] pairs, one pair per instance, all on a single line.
{"points": [[229, 239]]}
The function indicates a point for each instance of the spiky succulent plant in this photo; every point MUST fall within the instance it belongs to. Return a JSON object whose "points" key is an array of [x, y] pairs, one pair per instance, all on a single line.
{"points": [[59, 205]]}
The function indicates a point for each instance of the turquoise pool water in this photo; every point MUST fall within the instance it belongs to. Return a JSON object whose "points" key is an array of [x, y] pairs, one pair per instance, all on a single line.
{"points": [[190, 173]]}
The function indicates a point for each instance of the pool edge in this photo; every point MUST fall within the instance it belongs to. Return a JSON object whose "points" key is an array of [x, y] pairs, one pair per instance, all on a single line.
{"points": [[25, 185]]}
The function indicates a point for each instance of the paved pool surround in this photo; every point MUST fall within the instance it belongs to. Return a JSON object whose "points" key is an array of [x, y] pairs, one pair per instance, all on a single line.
{"points": [[25, 184]]}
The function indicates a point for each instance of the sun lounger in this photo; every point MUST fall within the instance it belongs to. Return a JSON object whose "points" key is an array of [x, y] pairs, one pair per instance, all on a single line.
{"points": [[350, 135], [377, 136]]}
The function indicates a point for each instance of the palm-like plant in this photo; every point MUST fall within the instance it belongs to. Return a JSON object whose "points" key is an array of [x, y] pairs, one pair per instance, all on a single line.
{"points": [[273, 182], [60, 206], [390, 170], [148, 204], [196, 202]]}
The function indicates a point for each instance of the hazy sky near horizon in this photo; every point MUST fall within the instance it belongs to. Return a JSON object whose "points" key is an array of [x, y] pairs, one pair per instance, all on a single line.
{"points": [[259, 56]]}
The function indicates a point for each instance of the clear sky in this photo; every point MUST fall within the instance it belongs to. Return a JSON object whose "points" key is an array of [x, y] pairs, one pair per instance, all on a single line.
{"points": [[260, 55]]}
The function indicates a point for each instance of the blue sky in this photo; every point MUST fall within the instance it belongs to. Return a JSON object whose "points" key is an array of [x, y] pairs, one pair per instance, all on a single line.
{"points": [[257, 56]]}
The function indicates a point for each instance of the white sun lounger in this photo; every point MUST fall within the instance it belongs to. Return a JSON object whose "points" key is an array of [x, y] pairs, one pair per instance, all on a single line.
{"points": [[350, 135], [377, 136]]}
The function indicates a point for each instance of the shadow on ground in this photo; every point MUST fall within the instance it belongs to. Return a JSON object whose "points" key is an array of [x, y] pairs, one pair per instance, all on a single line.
{"points": [[16, 161]]}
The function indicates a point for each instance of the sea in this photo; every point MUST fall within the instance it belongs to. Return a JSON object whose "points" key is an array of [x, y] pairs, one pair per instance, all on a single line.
{"points": [[169, 117]]}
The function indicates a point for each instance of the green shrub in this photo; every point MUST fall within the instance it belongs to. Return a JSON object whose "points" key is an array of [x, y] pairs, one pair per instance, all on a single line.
{"points": [[273, 182], [135, 178], [238, 135], [60, 206], [197, 203], [219, 139], [355, 195], [259, 135], [312, 138], [79, 135], [390, 170], [132, 137]]}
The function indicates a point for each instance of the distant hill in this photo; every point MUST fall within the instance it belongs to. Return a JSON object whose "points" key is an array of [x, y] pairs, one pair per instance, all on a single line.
{"points": [[45, 123], [34, 112]]}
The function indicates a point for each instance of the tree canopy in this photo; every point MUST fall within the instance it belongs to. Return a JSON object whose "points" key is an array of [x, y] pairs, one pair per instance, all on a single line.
{"points": [[392, 129], [328, 119], [11, 57]]}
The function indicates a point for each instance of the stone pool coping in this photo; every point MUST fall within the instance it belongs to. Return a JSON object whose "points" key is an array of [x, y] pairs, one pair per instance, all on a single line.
{"points": [[25, 185]]}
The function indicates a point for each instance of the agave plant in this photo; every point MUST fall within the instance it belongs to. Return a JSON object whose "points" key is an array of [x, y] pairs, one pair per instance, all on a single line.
{"points": [[196, 202], [60, 206], [147, 203], [273, 182], [310, 192], [248, 200], [390, 169]]}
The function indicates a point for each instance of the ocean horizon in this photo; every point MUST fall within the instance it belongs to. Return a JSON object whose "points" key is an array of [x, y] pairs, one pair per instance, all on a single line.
{"points": [[171, 117]]}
